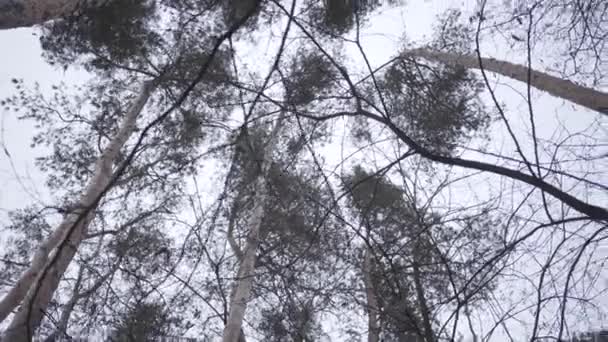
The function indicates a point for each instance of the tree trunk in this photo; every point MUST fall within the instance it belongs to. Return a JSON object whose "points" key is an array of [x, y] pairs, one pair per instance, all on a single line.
{"points": [[567, 90], [420, 296], [245, 274], [66, 238], [242, 291], [235, 249], [373, 334], [25, 13]]}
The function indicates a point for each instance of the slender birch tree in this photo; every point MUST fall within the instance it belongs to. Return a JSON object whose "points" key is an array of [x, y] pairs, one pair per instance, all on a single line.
{"points": [[37, 285], [245, 275]]}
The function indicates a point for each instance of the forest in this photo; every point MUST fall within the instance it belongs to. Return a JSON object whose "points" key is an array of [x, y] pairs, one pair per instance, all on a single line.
{"points": [[307, 170]]}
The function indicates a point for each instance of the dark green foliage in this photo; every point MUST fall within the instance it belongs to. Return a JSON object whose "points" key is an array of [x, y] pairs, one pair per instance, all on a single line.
{"points": [[292, 322], [143, 322], [438, 107], [117, 30], [294, 216], [143, 250], [339, 16], [249, 154], [402, 237], [388, 222], [185, 69], [310, 76], [234, 10], [295, 223], [372, 193]]}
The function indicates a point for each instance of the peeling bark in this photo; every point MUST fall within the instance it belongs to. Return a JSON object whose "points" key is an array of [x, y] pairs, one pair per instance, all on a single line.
{"points": [[558, 87], [38, 287], [25, 13]]}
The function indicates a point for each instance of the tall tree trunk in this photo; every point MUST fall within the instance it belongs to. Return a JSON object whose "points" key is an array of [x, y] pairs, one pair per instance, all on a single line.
{"points": [[421, 299], [559, 87], [373, 334], [235, 248], [245, 274], [25, 13], [38, 287]]}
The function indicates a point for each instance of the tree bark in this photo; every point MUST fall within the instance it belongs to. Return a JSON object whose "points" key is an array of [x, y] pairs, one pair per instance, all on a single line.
{"points": [[235, 249], [373, 334], [559, 87], [421, 299], [244, 282], [245, 274], [38, 286], [25, 13]]}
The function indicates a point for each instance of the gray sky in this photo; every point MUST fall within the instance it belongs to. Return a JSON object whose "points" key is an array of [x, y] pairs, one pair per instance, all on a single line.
{"points": [[23, 184]]}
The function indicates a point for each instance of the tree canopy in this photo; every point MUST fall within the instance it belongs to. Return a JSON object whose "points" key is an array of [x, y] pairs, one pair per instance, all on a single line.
{"points": [[253, 171]]}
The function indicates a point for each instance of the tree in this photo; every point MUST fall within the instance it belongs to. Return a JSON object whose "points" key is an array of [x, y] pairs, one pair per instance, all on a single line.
{"points": [[37, 284], [242, 290], [381, 114], [33, 12], [406, 268], [41, 280], [304, 191], [590, 98], [144, 322]]}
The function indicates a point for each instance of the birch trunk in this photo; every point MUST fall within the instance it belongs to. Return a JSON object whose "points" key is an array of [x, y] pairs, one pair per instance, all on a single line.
{"points": [[424, 308], [373, 334], [245, 275], [235, 249], [38, 287], [567, 90], [25, 13]]}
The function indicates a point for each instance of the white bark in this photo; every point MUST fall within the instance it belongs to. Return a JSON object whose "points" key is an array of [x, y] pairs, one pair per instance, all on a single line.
{"points": [[235, 249], [373, 310], [38, 287], [245, 274], [25, 13], [559, 87]]}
